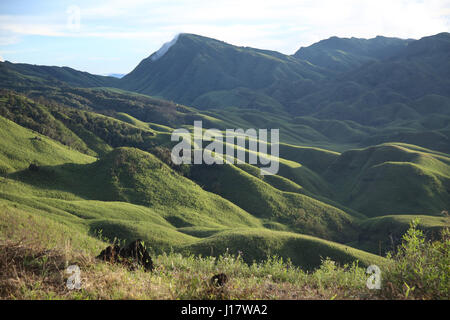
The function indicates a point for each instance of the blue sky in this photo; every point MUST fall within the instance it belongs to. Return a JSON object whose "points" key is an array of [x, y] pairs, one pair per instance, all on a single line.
{"points": [[114, 36]]}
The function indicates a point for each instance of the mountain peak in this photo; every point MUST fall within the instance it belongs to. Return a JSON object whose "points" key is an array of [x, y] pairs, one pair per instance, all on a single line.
{"points": [[164, 48], [191, 66], [186, 38]]}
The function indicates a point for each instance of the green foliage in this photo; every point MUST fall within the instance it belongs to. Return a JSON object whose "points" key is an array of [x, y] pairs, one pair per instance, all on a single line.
{"points": [[21, 147], [102, 132], [419, 269], [384, 234], [342, 54], [36, 117]]}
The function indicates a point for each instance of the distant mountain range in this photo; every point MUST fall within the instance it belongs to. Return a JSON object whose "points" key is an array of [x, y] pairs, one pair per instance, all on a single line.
{"points": [[207, 73], [116, 75], [333, 78], [400, 85], [344, 54]]}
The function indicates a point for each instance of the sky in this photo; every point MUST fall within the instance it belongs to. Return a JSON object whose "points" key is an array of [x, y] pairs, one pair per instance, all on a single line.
{"points": [[112, 36]]}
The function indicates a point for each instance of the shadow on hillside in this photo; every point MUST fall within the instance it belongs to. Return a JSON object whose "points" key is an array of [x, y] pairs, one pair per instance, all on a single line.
{"points": [[113, 231], [82, 180]]}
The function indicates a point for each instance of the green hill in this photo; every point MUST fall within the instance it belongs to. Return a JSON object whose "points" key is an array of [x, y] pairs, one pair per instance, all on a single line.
{"points": [[304, 251], [297, 211], [384, 234], [392, 179], [21, 147], [130, 193], [57, 75]]}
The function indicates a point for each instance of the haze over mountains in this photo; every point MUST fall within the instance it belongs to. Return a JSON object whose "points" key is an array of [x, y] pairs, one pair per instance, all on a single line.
{"points": [[364, 130]]}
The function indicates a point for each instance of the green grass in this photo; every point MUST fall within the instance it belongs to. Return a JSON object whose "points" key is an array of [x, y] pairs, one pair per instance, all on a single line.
{"points": [[35, 251], [21, 147], [383, 234], [297, 211], [258, 244], [392, 179], [130, 193], [43, 248]]}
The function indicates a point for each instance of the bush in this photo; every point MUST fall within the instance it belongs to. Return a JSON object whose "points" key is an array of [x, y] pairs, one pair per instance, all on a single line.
{"points": [[420, 269]]}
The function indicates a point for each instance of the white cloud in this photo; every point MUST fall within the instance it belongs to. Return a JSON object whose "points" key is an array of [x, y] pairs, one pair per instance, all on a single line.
{"points": [[8, 40]]}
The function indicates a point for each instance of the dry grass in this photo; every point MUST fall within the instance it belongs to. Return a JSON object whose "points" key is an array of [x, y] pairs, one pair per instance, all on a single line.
{"points": [[28, 271]]}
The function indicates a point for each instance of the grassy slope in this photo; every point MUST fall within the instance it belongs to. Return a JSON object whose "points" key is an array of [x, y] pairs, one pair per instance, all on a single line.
{"points": [[392, 179], [35, 252], [35, 116], [20, 147], [286, 196], [295, 170], [164, 208], [304, 251], [383, 234], [298, 211]]}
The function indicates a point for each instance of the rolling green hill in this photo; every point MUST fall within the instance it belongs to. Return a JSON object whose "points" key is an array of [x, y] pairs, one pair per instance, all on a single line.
{"points": [[299, 212], [130, 193], [392, 179], [302, 250], [383, 234]]}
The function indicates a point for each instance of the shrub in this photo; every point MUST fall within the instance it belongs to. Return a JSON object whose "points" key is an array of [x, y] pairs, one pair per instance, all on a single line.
{"points": [[419, 269]]}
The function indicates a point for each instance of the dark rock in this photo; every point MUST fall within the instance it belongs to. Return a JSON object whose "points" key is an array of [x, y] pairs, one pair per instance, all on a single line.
{"points": [[110, 254], [33, 167], [219, 280], [135, 254], [137, 251]]}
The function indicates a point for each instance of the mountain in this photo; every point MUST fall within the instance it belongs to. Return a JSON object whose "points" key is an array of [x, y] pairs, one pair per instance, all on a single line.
{"points": [[56, 74], [395, 90], [421, 68], [344, 54], [373, 82], [200, 71], [116, 75], [409, 89]]}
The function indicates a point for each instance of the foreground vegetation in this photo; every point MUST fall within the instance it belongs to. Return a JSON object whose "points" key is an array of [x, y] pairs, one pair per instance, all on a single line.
{"points": [[35, 253]]}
